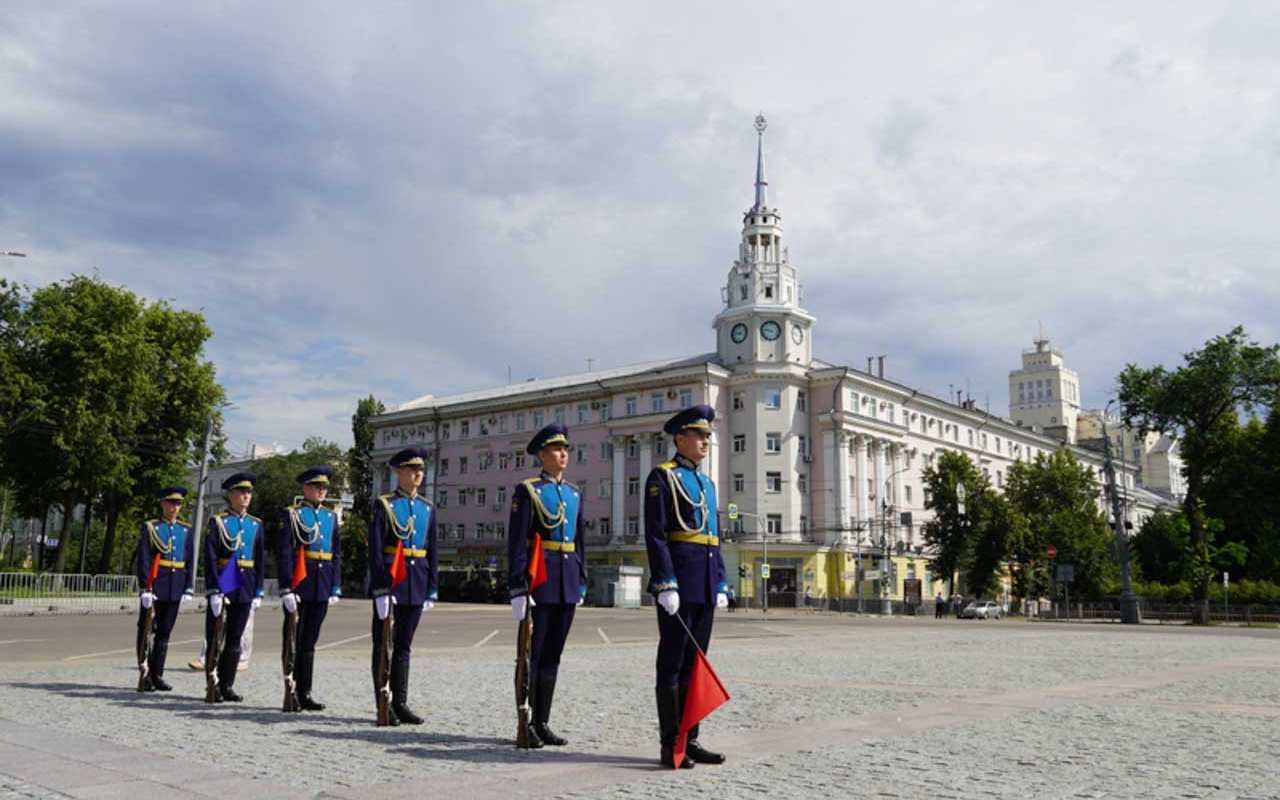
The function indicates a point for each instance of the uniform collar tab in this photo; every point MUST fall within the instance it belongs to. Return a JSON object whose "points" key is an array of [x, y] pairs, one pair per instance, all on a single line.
{"points": [[686, 463]]}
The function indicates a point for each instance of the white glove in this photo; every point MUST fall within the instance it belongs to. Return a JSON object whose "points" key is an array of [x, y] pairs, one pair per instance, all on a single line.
{"points": [[289, 602], [722, 600], [215, 604], [333, 599], [428, 605], [581, 600], [669, 600], [186, 598], [382, 605], [146, 598], [257, 601], [518, 605]]}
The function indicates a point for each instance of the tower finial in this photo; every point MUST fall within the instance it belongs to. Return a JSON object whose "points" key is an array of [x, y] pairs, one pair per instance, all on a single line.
{"points": [[761, 183]]}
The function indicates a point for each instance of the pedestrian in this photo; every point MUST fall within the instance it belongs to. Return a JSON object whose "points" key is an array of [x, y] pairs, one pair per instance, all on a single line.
{"points": [[162, 564], [403, 527], [549, 509], [681, 531], [233, 576], [309, 564], [939, 606]]}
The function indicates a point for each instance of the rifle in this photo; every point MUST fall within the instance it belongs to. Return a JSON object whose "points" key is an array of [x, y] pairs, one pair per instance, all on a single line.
{"points": [[144, 648], [524, 644], [384, 673], [212, 655], [289, 661]]}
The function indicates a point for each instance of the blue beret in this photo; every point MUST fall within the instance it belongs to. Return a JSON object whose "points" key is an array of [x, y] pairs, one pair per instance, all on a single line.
{"points": [[555, 433], [241, 480], [317, 474], [173, 493], [698, 418], [410, 457]]}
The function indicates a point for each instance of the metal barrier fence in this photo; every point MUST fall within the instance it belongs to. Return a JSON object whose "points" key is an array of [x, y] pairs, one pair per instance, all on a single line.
{"points": [[1173, 613], [25, 594]]}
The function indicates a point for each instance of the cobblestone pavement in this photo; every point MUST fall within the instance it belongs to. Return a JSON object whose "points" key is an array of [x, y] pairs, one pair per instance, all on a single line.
{"points": [[847, 708]]}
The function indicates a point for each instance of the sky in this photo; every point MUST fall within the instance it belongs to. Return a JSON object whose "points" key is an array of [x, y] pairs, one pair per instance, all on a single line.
{"points": [[407, 198]]}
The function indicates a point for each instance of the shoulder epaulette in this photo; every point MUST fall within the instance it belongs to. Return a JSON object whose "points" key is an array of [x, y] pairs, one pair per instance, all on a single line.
{"points": [[183, 522], [667, 465], [154, 521], [255, 519]]}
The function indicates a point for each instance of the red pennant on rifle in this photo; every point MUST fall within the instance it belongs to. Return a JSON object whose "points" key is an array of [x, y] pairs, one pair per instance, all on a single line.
{"points": [[398, 570], [155, 570], [705, 694], [537, 565], [299, 567]]}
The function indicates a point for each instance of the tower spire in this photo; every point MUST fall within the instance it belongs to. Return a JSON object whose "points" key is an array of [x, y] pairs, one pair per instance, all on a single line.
{"points": [[761, 183]]}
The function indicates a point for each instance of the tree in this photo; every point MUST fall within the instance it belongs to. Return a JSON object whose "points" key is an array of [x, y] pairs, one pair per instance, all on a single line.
{"points": [[1244, 492], [1198, 402], [997, 527], [355, 546], [949, 533]]}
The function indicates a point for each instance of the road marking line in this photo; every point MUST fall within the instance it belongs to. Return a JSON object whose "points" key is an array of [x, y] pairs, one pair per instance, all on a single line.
{"points": [[344, 641], [486, 639], [21, 641], [602, 636], [124, 650]]}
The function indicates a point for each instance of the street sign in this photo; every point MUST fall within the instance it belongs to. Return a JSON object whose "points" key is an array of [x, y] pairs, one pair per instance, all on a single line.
{"points": [[733, 511], [1066, 573], [1226, 579], [764, 571], [1051, 552], [871, 575]]}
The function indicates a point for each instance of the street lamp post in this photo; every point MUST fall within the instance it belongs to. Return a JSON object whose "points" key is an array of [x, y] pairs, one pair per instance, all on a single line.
{"points": [[961, 495], [1130, 613]]}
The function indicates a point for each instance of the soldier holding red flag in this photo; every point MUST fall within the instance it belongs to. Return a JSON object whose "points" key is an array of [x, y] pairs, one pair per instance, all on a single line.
{"points": [[548, 576], [162, 564], [402, 573], [309, 565], [681, 532]]}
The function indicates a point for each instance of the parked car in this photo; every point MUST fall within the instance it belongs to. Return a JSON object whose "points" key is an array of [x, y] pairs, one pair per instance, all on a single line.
{"points": [[982, 609]]}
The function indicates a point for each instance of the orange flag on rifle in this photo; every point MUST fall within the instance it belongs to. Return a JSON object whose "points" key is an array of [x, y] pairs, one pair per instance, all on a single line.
{"points": [[537, 566], [706, 693], [155, 570], [299, 567], [398, 570]]}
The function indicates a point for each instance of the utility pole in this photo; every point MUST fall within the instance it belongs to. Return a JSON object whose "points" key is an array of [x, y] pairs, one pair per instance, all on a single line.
{"points": [[1130, 613], [204, 475], [88, 525]]}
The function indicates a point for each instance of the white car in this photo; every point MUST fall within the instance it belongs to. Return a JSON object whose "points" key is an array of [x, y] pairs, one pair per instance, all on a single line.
{"points": [[984, 609]]}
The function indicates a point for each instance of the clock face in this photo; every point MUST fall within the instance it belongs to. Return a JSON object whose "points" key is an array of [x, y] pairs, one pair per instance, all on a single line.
{"points": [[770, 330], [797, 334], [738, 333]]}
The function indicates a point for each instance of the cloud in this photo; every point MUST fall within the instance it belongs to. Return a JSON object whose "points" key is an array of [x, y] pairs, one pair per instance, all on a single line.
{"points": [[414, 198]]}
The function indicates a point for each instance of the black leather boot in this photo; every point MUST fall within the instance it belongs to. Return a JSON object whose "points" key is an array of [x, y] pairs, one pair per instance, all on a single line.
{"points": [[542, 698], [400, 694], [156, 667], [668, 725], [303, 671]]}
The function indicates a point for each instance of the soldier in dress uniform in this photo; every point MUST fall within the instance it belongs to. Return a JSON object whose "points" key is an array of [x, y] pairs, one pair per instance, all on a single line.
{"points": [[548, 508], [168, 545], [402, 518], [681, 532], [233, 551], [313, 529]]}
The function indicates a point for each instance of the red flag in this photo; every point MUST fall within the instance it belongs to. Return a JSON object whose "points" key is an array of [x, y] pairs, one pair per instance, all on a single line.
{"points": [[155, 570], [398, 570], [299, 567], [705, 694], [537, 566]]}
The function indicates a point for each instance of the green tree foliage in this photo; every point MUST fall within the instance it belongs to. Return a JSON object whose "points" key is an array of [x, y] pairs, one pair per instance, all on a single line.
{"points": [[1057, 496], [1244, 492], [355, 547], [950, 533], [1199, 402]]}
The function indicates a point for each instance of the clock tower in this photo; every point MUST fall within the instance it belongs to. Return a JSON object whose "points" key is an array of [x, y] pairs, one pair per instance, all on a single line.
{"points": [[762, 322]]}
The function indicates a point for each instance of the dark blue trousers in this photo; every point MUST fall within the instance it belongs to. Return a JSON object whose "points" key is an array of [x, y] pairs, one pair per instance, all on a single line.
{"points": [[237, 618], [166, 616], [404, 625], [310, 618], [675, 651], [551, 624]]}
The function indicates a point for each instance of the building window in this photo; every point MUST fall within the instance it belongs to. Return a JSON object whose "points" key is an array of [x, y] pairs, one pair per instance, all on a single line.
{"points": [[633, 526], [739, 482], [484, 461], [519, 459], [772, 397], [773, 482], [606, 451], [631, 406], [633, 447], [538, 420], [502, 424], [442, 498], [464, 429], [559, 415], [504, 461], [802, 483], [804, 524], [739, 443], [803, 446], [774, 524], [484, 427], [519, 420], [446, 430], [655, 402], [738, 401], [773, 442], [633, 487], [686, 398], [461, 531], [907, 489], [606, 526], [742, 291], [582, 413], [604, 411], [462, 498], [606, 489], [502, 496], [580, 455], [462, 465], [499, 530], [802, 400], [482, 495], [1000, 479], [444, 466], [768, 291]]}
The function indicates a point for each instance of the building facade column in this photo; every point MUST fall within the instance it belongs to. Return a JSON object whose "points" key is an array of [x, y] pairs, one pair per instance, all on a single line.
{"points": [[860, 444], [619, 492], [646, 455], [895, 496], [843, 496]]}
